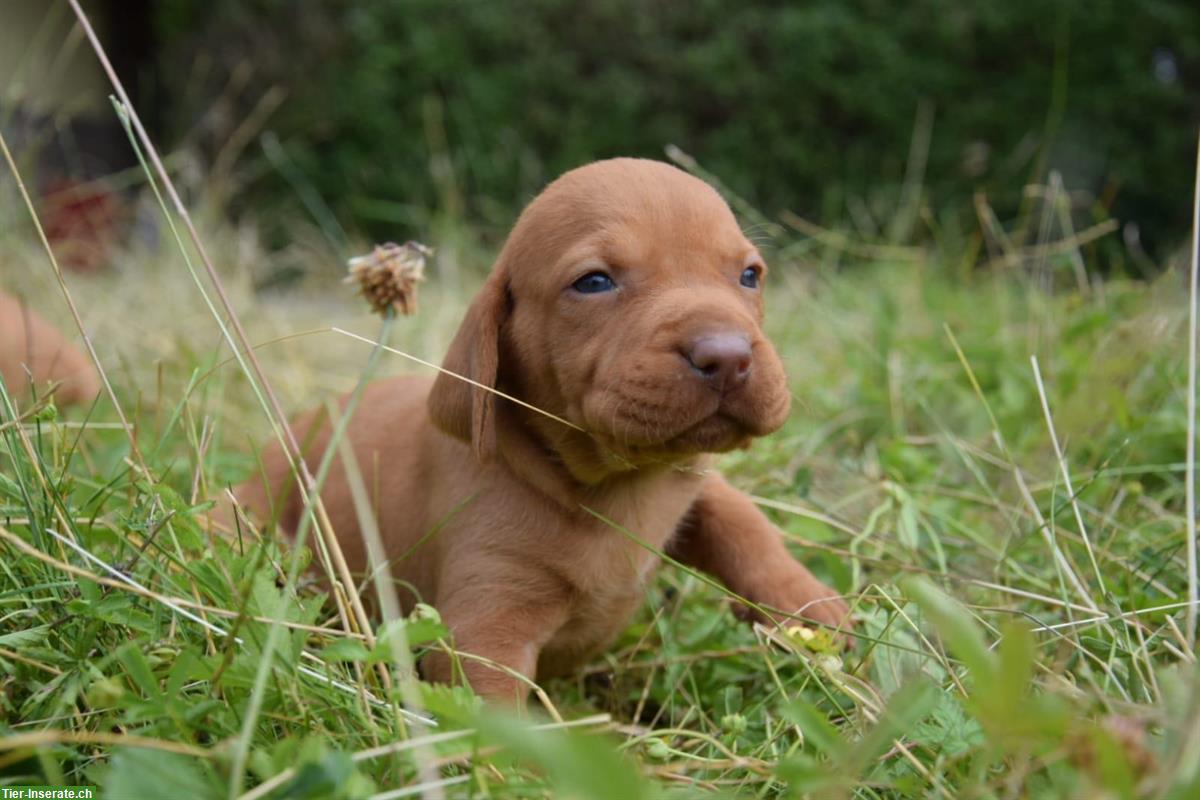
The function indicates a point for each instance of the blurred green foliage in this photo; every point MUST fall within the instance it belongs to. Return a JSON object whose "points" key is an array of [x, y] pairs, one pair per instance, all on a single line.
{"points": [[467, 107]]}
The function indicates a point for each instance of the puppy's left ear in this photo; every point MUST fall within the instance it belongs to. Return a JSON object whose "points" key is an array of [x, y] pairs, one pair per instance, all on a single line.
{"points": [[466, 409]]}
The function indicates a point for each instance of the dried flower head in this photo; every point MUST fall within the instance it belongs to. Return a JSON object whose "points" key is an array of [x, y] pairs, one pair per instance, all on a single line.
{"points": [[388, 276]]}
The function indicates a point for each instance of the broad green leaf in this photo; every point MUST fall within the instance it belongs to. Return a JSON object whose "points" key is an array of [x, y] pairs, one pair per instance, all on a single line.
{"points": [[904, 710], [135, 773], [320, 778], [345, 650], [948, 729], [21, 638], [1017, 652], [578, 765], [187, 667], [816, 729], [956, 627], [804, 775], [138, 669]]}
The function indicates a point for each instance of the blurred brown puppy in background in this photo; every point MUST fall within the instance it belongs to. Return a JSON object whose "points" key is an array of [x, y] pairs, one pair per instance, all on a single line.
{"points": [[627, 303], [33, 350]]}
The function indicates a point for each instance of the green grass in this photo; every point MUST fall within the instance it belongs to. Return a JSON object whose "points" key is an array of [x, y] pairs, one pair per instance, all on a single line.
{"points": [[1017, 637]]}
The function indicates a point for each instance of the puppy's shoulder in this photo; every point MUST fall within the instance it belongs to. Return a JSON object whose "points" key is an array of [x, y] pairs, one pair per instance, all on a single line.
{"points": [[399, 393]]}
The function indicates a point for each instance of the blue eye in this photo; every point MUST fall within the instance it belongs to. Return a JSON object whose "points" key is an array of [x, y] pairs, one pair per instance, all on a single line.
{"points": [[750, 277], [594, 283]]}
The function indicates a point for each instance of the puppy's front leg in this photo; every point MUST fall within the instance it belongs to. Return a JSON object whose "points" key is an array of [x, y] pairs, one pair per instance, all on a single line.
{"points": [[506, 619], [727, 536]]}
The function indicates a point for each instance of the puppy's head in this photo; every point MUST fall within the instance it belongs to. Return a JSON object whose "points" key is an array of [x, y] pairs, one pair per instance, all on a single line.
{"points": [[627, 301]]}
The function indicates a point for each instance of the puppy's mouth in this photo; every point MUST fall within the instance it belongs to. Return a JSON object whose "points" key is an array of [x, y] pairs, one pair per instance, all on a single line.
{"points": [[717, 431], [714, 434]]}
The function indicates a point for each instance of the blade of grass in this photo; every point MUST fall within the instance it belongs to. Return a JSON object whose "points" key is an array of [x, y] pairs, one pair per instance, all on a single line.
{"points": [[308, 486], [1064, 566], [31, 741], [260, 392], [1066, 473], [1193, 587], [62, 283], [21, 545], [178, 609], [385, 590], [441, 369]]}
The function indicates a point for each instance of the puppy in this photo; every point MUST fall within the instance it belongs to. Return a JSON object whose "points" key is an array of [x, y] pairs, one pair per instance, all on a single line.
{"points": [[34, 351], [626, 304]]}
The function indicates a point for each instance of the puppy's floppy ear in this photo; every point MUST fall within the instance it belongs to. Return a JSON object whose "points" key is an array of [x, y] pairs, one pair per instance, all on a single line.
{"points": [[465, 410]]}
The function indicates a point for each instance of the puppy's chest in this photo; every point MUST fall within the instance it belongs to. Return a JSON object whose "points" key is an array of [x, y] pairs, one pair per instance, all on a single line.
{"points": [[619, 556]]}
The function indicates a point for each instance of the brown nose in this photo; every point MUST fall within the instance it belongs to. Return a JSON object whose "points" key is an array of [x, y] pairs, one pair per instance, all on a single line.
{"points": [[722, 359]]}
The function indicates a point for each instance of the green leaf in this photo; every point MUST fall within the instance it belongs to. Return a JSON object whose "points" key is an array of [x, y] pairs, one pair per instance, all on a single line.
{"points": [[423, 631], [957, 628], [805, 775], [904, 710], [121, 609], [423, 625], [210, 578], [89, 590], [139, 671], [345, 650], [948, 729], [1017, 652], [320, 778], [182, 521], [138, 773], [265, 597], [816, 729], [187, 667], [21, 638], [578, 765], [907, 528], [456, 705]]}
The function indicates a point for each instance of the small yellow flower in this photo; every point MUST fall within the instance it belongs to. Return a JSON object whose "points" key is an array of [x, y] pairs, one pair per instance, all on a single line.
{"points": [[802, 632], [814, 640]]}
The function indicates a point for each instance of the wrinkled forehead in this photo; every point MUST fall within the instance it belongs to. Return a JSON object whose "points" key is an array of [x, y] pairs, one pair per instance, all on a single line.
{"points": [[627, 218], [663, 244]]}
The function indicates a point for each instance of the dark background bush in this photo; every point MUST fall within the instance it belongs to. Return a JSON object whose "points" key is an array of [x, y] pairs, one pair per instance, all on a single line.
{"points": [[398, 108]]}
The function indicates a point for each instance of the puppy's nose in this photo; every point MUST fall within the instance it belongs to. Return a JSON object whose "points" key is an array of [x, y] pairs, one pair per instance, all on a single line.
{"points": [[722, 359]]}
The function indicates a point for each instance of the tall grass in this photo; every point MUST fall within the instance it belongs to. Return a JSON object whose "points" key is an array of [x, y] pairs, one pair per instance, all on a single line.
{"points": [[904, 467], [994, 465]]}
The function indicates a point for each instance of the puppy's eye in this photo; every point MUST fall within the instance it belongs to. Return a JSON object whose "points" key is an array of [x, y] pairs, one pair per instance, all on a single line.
{"points": [[750, 277], [594, 283]]}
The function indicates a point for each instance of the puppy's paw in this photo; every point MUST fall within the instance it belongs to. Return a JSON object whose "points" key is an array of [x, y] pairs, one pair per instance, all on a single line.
{"points": [[795, 591]]}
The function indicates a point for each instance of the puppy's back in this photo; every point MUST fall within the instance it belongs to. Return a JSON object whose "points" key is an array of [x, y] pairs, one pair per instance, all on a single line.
{"points": [[390, 437], [33, 349]]}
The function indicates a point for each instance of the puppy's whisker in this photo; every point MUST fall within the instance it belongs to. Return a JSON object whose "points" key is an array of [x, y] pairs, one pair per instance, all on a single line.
{"points": [[617, 416], [627, 432], [442, 369]]}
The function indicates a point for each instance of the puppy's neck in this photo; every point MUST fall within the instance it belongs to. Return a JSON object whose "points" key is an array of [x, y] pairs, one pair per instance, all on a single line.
{"points": [[569, 466]]}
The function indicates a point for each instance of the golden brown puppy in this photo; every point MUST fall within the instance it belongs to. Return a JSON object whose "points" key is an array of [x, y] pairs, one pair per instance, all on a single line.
{"points": [[32, 349], [627, 302]]}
